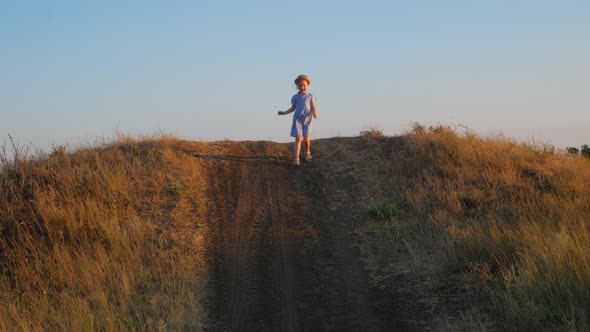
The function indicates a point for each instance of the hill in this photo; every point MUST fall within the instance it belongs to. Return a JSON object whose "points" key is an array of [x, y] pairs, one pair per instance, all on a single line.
{"points": [[431, 229]]}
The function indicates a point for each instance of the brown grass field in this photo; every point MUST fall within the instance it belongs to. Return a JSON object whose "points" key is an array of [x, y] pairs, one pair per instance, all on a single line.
{"points": [[487, 221], [434, 228]]}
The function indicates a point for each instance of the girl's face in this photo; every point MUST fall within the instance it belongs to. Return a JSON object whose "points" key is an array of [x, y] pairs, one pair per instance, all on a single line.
{"points": [[302, 86]]}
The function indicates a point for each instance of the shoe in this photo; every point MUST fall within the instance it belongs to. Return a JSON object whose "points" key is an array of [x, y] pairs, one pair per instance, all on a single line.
{"points": [[308, 157]]}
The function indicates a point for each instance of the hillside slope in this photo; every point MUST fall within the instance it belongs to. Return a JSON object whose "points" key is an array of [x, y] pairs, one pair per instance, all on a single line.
{"points": [[280, 245], [427, 230]]}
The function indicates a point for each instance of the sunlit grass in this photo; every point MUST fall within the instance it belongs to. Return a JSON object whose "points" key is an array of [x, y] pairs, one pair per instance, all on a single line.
{"points": [[102, 238], [111, 237], [511, 217]]}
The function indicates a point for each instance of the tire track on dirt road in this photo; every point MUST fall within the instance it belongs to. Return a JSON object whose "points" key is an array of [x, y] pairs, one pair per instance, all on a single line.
{"points": [[252, 244], [280, 259]]}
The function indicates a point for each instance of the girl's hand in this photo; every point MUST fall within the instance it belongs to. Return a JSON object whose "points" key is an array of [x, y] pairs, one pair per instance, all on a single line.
{"points": [[280, 112]]}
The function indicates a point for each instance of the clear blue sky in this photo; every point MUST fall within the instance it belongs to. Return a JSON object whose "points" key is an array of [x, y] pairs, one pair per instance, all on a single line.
{"points": [[71, 71]]}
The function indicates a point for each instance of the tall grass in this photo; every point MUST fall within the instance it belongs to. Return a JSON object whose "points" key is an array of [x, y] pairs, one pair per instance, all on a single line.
{"points": [[513, 217], [111, 237], [102, 238]]}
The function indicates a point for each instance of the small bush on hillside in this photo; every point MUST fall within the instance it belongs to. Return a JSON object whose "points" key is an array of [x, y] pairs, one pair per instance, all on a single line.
{"points": [[372, 135], [418, 128], [572, 150], [386, 212], [175, 188], [373, 132], [58, 151], [584, 150], [441, 130]]}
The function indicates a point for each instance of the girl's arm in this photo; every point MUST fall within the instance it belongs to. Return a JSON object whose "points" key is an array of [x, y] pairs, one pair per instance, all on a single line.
{"points": [[314, 111], [287, 111]]}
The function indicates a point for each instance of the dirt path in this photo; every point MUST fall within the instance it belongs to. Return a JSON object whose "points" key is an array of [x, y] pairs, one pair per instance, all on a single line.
{"points": [[280, 248]]}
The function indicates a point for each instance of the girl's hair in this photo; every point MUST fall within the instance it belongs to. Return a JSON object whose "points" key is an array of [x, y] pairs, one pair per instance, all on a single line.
{"points": [[301, 78]]}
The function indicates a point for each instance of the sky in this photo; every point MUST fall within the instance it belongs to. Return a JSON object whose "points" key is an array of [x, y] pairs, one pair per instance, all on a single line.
{"points": [[74, 72]]}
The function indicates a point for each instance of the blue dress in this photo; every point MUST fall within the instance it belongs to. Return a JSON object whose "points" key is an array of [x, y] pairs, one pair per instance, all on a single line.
{"points": [[302, 117]]}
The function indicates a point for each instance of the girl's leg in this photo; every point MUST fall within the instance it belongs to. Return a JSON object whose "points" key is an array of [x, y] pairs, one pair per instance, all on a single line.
{"points": [[297, 148], [307, 146]]}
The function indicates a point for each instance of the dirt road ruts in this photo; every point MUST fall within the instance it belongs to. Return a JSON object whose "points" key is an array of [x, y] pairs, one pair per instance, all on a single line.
{"points": [[281, 259]]}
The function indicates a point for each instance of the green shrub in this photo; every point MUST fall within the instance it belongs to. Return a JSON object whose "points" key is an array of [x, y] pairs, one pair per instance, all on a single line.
{"points": [[387, 212]]}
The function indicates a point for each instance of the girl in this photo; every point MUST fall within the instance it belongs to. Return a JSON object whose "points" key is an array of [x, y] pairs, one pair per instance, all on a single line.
{"points": [[303, 104]]}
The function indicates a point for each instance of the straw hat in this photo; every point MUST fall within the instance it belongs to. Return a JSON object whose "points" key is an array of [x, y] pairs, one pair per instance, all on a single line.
{"points": [[301, 78]]}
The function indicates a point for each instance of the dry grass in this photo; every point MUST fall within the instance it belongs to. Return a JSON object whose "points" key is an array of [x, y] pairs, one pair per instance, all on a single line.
{"points": [[103, 238], [509, 219], [111, 237]]}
